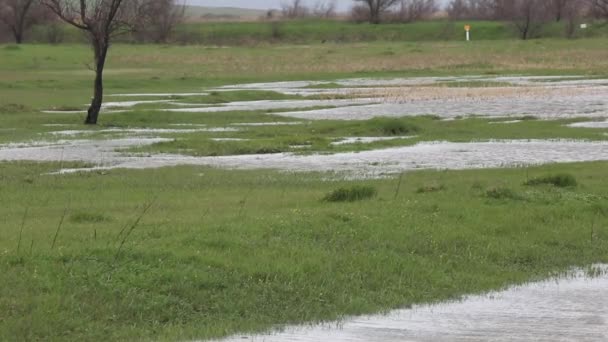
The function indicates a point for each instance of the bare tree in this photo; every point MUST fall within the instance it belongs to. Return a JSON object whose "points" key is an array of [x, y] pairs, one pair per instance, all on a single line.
{"points": [[325, 9], [157, 19], [558, 8], [377, 8], [294, 9], [102, 20], [18, 16], [599, 8], [472, 9], [413, 10], [527, 16]]}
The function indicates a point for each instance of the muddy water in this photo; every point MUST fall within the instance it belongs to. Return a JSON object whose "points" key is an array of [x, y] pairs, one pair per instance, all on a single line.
{"points": [[573, 308], [366, 140], [376, 163], [143, 131], [590, 124], [592, 104], [270, 104], [543, 97]]}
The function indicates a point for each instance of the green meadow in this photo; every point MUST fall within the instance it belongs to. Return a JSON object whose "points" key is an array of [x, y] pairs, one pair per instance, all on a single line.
{"points": [[192, 253]]}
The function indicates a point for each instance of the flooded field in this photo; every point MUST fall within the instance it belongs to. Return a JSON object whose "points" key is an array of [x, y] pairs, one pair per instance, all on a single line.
{"points": [[446, 97], [375, 163], [569, 308]]}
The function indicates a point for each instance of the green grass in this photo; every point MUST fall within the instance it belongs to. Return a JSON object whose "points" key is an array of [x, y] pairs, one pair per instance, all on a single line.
{"points": [[562, 180], [41, 76], [221, 252], [352, 194], [231, 251], [319, 135]]}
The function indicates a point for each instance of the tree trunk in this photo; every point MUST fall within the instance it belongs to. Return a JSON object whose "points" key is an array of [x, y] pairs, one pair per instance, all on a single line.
{"points": [[101, 51], [375, 16], [18, 35]]}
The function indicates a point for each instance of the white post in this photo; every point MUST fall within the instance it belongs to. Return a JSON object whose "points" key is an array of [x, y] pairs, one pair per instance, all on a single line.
{"points": [[468, 36]]}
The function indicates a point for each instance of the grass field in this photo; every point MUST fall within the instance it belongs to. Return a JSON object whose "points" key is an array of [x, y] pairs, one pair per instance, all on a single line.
{"points": [[187, 253], [42, 76], [314, 31]]}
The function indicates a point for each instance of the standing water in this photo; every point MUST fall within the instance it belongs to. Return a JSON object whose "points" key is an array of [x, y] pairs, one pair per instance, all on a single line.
{"points": [[572, 308]]}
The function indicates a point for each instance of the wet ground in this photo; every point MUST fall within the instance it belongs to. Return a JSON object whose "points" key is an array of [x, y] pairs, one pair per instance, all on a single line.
{"points": [[572, 308], [446, 97], [375, 163]]}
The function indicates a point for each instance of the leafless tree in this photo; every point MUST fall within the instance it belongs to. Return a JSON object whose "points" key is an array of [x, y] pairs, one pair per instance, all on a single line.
{"points": [[376, 8], [527, 16], [558, 8], [599, 8], [101, 20], [413, 10], [294, 9], [157, 19], [472, 9], [325, 9], [19, 16]]}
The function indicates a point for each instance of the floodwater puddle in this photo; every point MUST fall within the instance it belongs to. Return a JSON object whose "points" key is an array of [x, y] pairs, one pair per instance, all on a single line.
{"points": [[261, 124], [548, 106], [546, 97], [590, 124], [366, 140], [271, 105], [142, 131], [159, 95], [570, 308], [365, 164]]}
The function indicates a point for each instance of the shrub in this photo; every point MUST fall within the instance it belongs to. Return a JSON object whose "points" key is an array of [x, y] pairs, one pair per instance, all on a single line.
{"points": [[389, 126], [430, 188], [563, 180], [352, 194], [502, 193]]}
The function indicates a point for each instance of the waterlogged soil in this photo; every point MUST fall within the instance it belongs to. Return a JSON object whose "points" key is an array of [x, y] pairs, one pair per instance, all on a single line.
{"points": [[590, 124], [376, 163], [551, 103], [270, 105], [570, 308], [552, 97], [143, 131], [446, 97]]}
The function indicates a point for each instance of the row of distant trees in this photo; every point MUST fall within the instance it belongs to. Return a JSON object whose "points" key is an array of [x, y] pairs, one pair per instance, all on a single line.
{"points": [[527, 15], [150, 20], [363, 10]]}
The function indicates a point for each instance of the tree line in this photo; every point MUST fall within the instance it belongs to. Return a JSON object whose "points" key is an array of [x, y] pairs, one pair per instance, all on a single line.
{"points": [[103, 20], [149, 20], [526, 14]]}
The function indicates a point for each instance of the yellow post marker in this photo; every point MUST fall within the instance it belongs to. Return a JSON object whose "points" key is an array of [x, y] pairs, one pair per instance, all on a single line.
{"points": [[467, 28]]}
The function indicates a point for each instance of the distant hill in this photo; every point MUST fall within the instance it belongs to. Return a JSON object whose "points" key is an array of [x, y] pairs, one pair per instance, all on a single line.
{"points": [[194, 13]]}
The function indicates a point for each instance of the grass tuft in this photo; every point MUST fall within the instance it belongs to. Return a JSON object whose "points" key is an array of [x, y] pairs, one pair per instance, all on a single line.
{"points": [[12, 108], [563, 180], [430, 188], [390, 126], [502, 193], [352, 194], [84, 217]]}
